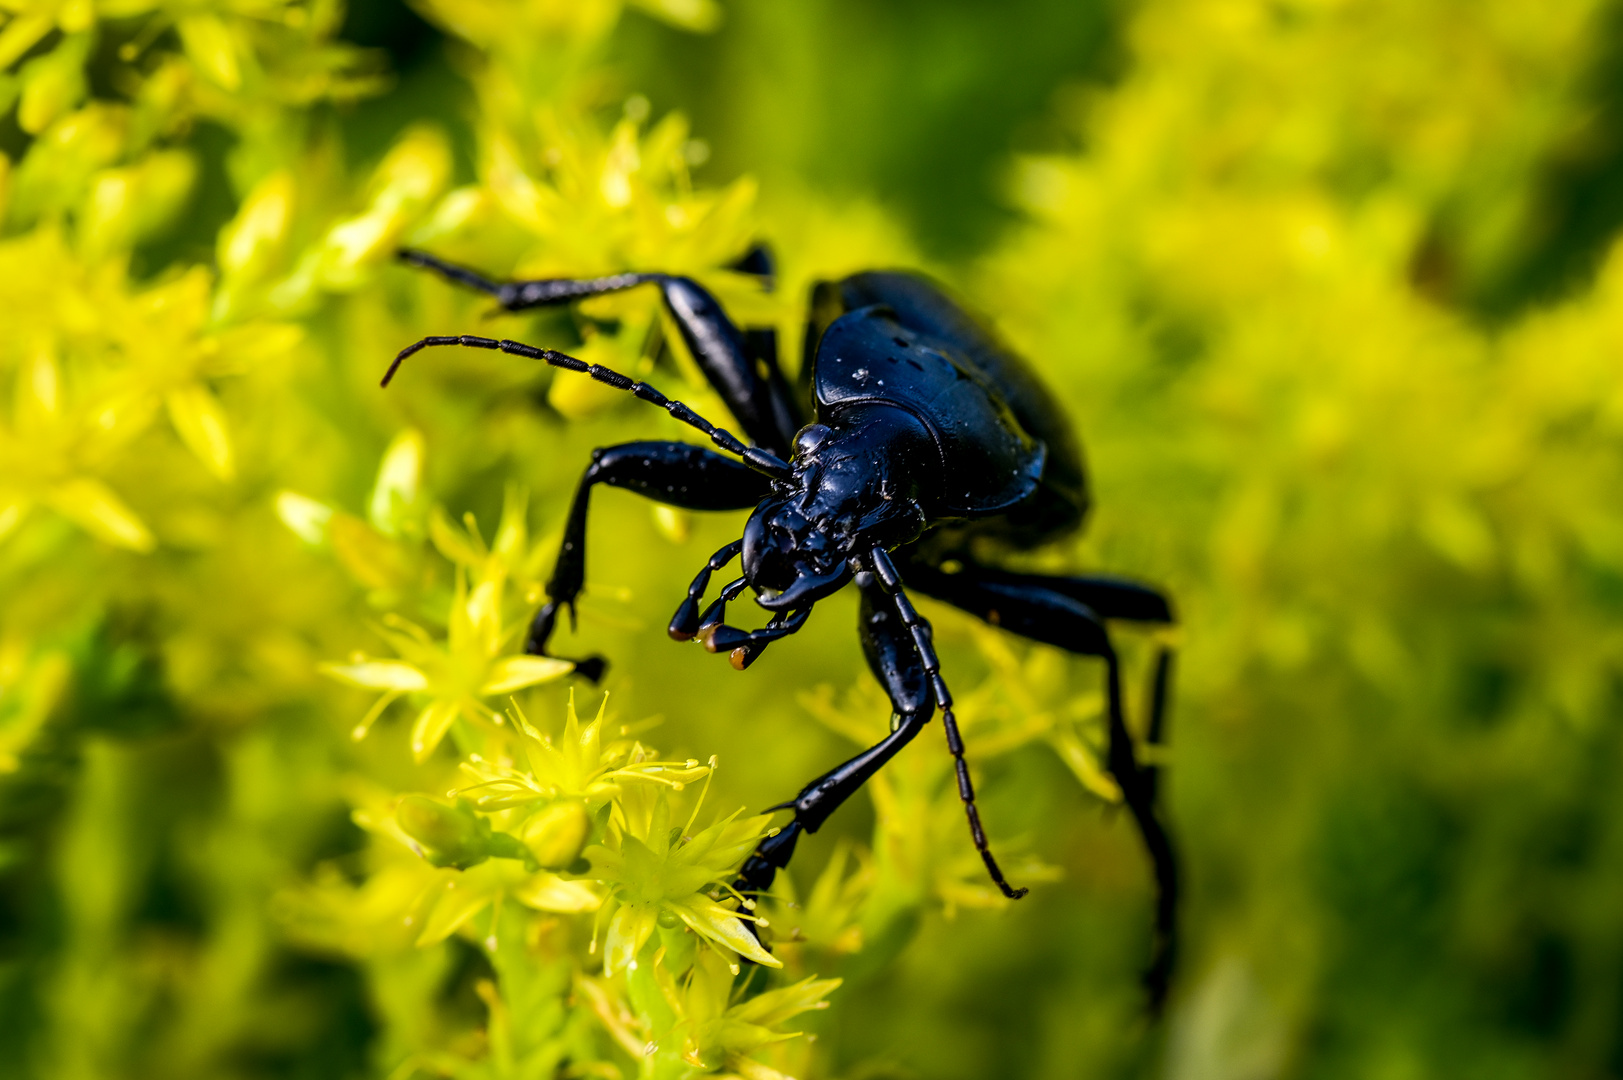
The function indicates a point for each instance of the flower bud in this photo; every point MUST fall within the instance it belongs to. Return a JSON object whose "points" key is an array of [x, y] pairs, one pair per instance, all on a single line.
{"points": [[557, 835], [449, 835]]}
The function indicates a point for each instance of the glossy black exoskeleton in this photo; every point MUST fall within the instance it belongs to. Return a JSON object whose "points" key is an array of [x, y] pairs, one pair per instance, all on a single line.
{"points": [[918, 443]]}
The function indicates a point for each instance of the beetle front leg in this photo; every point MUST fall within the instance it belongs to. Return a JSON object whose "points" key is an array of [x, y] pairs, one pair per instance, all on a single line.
{"points": [[677, 474]]}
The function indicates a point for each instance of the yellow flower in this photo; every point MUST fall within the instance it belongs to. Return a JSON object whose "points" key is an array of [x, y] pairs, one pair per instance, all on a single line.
{"points": [[659, 875], [453, 676], [695, 1022], [578, 766]]}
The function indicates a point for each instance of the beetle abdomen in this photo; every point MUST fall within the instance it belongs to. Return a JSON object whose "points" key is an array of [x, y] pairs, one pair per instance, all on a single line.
{"points": [[1013, 447]]}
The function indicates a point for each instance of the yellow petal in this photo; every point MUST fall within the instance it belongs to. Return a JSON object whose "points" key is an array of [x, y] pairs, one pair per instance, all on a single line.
{"points": [[484, 613], [307, 518], [243, 347], [451, 542], [431, 726], [12, 512], [200, 423], [375, 560], [257, 231], [92, 506], [674, 523], [629, 930], [698, 16], [750, 1069], [1085, 765], [415, 169], [776, 1006], [52, 84], [717, 923], [210, 44], [548, 892], [378, 675], [457, 904], [516, 672], [399, 474], [21, 34]]}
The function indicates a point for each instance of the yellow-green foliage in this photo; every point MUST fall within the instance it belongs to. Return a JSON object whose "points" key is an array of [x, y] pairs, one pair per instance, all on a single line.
{"points": [[279, 794]]}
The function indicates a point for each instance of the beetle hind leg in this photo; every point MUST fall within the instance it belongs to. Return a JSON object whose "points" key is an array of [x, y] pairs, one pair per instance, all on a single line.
{"points": [[1070, 613]]}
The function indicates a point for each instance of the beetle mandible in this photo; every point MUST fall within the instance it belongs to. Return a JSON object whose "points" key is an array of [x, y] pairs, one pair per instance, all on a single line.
{"points": [[927, 444]]}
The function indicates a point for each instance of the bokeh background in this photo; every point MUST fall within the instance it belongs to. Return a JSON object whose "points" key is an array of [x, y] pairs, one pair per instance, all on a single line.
{"points": [[1329, 287]]}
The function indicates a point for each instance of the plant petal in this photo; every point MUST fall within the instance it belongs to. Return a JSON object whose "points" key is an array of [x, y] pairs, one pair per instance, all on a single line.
{"points": [[200, 424], [549, 892], [12, 512], [210, 44], [629, 930], [699, 16], [431, 726], [775, 1006], [724, 927], [92, 506], [306, 517], [378, 675], [451, 541], [399, 475], [516, 672]]}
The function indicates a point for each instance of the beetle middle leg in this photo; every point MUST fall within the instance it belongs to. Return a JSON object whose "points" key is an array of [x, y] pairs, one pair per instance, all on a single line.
{"points": [[674, 473]]}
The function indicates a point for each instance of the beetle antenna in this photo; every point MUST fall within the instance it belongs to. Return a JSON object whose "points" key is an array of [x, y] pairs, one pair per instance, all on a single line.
{"points": [[761, 461], [891, 581]]}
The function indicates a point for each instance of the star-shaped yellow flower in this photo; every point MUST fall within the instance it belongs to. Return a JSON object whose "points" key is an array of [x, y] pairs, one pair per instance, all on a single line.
{"points": [[452, 677]]}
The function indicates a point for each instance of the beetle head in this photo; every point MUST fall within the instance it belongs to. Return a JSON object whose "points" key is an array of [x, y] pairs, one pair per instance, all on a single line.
{"points": [[789, 561]]}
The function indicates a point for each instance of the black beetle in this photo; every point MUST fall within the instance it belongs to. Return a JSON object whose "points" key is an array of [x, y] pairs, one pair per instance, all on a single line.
{"points": [[929, 443]]}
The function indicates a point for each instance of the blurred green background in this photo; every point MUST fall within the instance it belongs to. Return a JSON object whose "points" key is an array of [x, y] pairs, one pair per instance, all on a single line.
{"points": [[1331, 291]]}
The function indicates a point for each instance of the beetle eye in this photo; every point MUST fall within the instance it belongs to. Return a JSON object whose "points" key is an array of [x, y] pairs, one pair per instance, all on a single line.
{"points": [[810, 438]]}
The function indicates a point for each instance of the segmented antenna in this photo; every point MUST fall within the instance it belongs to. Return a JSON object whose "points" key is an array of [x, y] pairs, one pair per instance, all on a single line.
{"points": [[760, 460], [891, 581]]}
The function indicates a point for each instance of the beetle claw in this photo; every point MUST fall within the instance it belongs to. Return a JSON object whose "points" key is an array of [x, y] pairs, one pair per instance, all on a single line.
{"points": [[591, 668], [723, 638], [685, 623]]}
